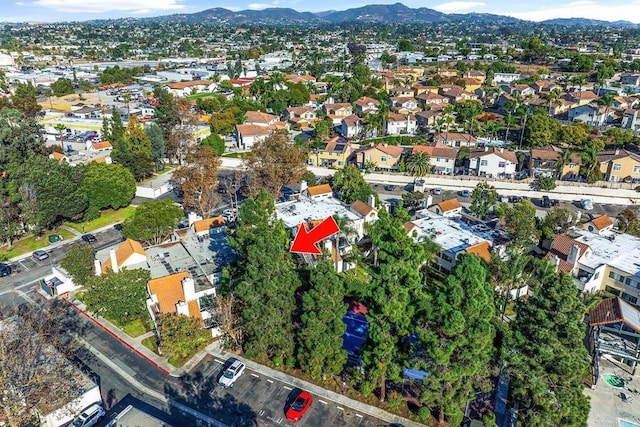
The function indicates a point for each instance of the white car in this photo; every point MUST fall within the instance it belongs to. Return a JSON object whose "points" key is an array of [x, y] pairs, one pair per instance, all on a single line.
{"points": [[89, 417], [586, 204], [231, 374]]}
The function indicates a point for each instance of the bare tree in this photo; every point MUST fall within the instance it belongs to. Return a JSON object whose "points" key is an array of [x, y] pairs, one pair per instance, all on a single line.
{"points": [[273, 163], [198, 180], [228, 318]]}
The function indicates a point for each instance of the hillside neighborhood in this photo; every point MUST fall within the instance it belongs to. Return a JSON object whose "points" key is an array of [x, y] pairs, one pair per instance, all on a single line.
{"points": [[484, 190]]}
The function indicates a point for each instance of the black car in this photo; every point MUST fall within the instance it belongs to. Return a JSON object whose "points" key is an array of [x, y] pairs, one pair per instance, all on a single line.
{"points": [[117, 227], [545, 202], [389, 187], [5, 269], [89, 238], [514, 199]]}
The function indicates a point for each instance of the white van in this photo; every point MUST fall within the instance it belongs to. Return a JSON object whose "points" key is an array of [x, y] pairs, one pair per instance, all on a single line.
{"points": [[89, 417]]}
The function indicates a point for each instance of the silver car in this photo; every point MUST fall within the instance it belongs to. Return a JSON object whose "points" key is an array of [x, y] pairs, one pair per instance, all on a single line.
{"points": [[40, 255], [586, 204], [231, 374]]}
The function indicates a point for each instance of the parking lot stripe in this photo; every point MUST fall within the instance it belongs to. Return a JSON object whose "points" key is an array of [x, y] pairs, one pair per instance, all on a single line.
{"points": [[322, 401], [219, 361], [287, 387], [257, 376], [358, 415], [269, 381], [340, 408]]}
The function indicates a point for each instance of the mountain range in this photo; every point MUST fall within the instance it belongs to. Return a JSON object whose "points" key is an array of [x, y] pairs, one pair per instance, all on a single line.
{"points": [[396, 13]]}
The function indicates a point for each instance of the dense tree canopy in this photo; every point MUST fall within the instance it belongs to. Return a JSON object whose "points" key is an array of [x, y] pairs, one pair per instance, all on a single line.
{"points": [[349, 185], [108, 186], [152, 222]]}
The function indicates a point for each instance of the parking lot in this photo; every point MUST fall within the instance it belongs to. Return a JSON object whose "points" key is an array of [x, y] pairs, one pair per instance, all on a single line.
{"points": [[261, 399]]}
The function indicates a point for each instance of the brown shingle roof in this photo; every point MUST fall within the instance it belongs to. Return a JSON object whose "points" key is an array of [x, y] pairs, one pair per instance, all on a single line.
{"points": [[183, 85], [207, 224], [455, 136], [258, 117], [482, 249], [449, 205], [253, 130], [361, 207], [101, 145], [168, 290], [560, 248], [602, 222], [436, 150], [319, 189], [392, 150], [507, 155]]}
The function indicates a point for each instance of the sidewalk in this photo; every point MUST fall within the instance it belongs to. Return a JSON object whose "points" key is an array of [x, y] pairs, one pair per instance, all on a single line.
{"points": [[316, 390]]}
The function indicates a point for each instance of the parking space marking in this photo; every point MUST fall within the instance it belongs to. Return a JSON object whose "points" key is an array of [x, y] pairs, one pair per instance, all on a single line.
{"points": [[358, 415], [254, 375], [261, 413], [287, 387], [270, 381], [219, 361], [340, 408], [24, 266], [322, 401]]}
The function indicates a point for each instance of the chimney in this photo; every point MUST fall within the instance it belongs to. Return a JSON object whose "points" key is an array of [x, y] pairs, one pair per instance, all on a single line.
{"points": [[97, 267], [303, 186], [617, 151], [192, 217], [114, 260], [189, 289], [573, 255], [371, 201], [486, 148]]}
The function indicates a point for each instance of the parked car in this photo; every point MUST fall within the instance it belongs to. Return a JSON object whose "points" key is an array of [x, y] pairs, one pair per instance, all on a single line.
{"points": [[464, 193], [545, 202], [40, 255], [514, 199], [437, 191], [89, 238], [55, 238], [389, 187], [117, 227], [586, 204], [89, 417], [231, 374], [503, 199], [299, 406], [5, 269]]}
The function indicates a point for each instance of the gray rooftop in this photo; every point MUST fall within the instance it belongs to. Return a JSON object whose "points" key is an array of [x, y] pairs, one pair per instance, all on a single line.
{"points": [[305, 209], [618, 250]]}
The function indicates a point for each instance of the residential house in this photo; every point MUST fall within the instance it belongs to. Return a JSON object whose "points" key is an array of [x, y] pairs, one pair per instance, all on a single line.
{"points": [[367, 211], [129, 254], [631, 119], [545, 86], [447, 208], [581, 97], [248, 135], [476, 74], [430, 98], [301, 117], [87, 112], [454, 139], [99, 146], [470, 84], [337, 111], [184, 89], [624, 102], [402, 92], [404, 104], [565, 254], [366, 105], [420, 88], [492, 162], [544, 160], [382, 156], [259, 118], [521, 90], [401, 124], [619, 166], [427, 119], [207, 227], [297, 78], [334, 154], [452, 236], [352, 126], [457, 94], [591, 114], [319, 192], [630, 79], [508, 78], [447, 73], [442, 157]]}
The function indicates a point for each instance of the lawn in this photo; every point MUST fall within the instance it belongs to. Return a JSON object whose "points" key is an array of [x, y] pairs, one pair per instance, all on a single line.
{"points": [[152, 344], [237, 155], [31, 243], [166, 169], [107, 217], [137, 327]]}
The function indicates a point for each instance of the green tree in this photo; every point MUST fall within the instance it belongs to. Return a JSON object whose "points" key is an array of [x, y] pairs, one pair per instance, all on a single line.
{"points": [[24, 99], [20, 138], [520, 223], [119, 297], [542, 130], [349, 185], [418, 164], [158, 149], [557, 221], [546, 183], [395, 278], [181, 336], [265, 285], [456, 335], [62, 87], [79, 263], [117, 130], [198, 181], [320, 352], [108, 186], [60, 128], [545, 355], [135, 139], [483, 198], [152, 222], [215, 143]]}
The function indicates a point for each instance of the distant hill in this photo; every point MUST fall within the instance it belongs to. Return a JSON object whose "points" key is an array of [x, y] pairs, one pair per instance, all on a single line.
{"points": [[396, 13]]}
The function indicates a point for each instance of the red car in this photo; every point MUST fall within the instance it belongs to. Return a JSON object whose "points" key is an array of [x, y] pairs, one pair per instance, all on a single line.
{"points": [[299, 406]]}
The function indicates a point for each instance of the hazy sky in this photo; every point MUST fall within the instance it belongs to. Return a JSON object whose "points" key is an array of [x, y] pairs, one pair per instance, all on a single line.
{"points": [[535, 10]]}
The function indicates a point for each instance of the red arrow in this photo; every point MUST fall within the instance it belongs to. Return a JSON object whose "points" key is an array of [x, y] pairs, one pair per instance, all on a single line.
{"points": [[306, 241]]}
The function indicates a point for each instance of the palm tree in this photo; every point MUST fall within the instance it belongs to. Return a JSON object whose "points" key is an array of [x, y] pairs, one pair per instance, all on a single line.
{"points": [[491, 128], [509, 121], [60, 128], [509, 274], [578, 81], [553, 98], [563, 160], [590, 162], [607, 101], [418, 164]]}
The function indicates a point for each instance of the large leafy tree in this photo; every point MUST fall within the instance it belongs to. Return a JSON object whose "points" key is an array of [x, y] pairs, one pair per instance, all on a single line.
{"points": [[266, 282], [79, 263], [62, 87], [395, 277], [483, 198], [108, 186], [520, 223], [349, 185], [136, 139], [198, 180], [181, 336], [456, 335], [24, 99], [320, 352], [273, 163], [152, 222], [545, 356], [119, 297], [20, 137], [158, 149]]}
